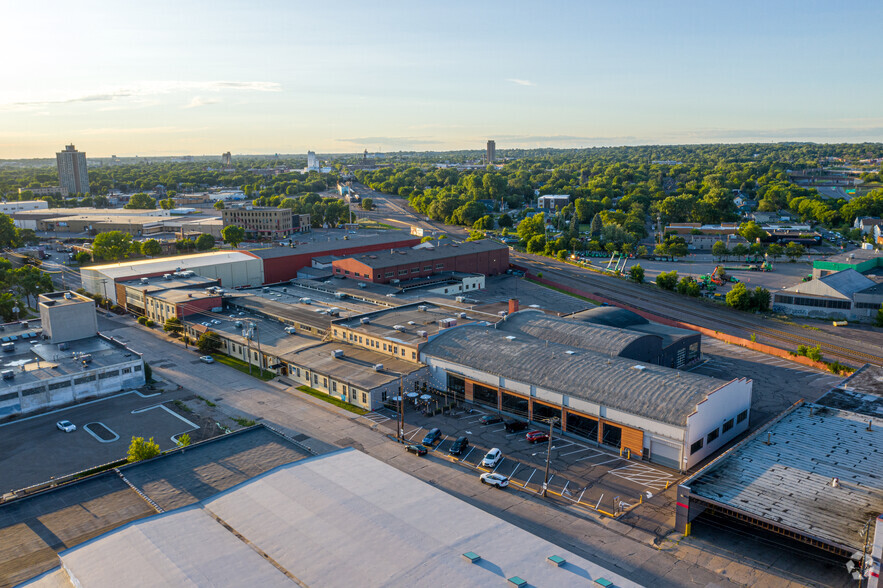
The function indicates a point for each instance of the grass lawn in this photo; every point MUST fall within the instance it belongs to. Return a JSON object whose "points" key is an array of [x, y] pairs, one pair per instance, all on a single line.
{"points": [[332, 400], [586, 298], [369, 224], [243, 367]]}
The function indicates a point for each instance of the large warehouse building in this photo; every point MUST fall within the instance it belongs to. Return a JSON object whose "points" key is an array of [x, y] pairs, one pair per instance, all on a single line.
{"points": [[282, 263], [471, 257], [666, 416], [234, 269]]}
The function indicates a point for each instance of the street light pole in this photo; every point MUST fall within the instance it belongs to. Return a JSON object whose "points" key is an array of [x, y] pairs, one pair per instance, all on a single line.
{"points": [[548, 456], [401, 410]]}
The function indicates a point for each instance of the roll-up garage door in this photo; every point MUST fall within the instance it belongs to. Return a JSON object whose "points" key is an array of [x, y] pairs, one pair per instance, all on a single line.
{"points": [[665, 454]]}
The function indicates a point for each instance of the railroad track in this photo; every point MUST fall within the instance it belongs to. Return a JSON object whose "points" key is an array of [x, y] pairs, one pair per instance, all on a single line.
{"points": [[634, 293]]}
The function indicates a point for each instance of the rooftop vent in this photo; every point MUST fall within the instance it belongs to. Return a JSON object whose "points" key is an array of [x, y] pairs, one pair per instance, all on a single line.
{"points": [[422, 333], [421, 308], [365, 320], [337, 353], [462, 315], [510, 337], [640, 368], [570, 352], [411, 323], [378, 367], [398, 327], [67, 296], [167, 276]]}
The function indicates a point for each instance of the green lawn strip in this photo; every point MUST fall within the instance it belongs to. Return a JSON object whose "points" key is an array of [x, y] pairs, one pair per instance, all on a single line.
{"points": [[586, 298], [332, 400], [243, 367]]}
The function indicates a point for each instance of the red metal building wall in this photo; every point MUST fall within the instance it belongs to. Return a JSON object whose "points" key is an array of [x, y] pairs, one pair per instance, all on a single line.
{"points": [[489, 263]]}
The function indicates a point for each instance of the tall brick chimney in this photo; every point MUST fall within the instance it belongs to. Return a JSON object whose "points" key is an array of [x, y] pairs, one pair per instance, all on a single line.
{"points": [[513, 305]]}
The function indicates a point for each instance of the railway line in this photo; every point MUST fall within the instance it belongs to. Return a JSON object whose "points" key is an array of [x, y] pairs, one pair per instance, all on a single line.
{"points": [[694, 312]]}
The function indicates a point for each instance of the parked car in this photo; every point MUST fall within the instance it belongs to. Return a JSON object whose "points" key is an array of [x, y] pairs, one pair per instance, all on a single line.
{"points": [[514, 426], [459, 446], [216, 322], [490, 419], [432, 436], [207, 359], [536, 437], [492, 458], [494, 480], [66, 426], [416, 449]]}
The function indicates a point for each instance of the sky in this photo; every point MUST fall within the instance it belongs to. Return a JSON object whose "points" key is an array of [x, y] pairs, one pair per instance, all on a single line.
{"points": [[195, 77]]}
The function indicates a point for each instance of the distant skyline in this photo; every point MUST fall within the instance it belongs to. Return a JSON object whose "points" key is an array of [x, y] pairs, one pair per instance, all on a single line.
{"points": [[202, 78]]}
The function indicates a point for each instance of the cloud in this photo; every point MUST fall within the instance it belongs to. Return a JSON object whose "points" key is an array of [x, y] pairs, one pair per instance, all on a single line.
{"points": [[134, 131], [570, 139], [198, 101], [147, 89], [397, 141], [520, 82]]}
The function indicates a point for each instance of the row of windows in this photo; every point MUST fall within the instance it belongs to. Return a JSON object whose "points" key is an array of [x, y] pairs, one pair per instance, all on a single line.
{"points": [[713, 435], [814, 302], [867, 305]]}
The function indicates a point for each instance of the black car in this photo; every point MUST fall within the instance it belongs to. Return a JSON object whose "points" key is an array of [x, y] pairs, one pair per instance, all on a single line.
{"points": [[490, 419], [459, 446], [432, 436], [416, 449], [514, 426]]}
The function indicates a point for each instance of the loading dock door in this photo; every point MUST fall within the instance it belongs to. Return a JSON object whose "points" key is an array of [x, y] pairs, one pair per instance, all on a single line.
{"points": [[664, 454]]}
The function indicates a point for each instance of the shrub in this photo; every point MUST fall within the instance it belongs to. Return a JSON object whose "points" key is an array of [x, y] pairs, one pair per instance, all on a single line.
{"points": [[142, 320], [149, 323]]}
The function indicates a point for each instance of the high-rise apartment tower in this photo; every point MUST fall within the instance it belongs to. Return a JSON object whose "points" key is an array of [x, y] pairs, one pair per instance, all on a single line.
{"points": [[491, 152], [72, 172]]}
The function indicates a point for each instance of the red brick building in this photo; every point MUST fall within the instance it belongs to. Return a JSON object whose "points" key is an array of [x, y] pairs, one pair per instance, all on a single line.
{"points": [[473, 257]]}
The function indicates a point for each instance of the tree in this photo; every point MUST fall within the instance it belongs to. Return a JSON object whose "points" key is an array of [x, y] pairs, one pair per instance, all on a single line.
{"points": [[562, 254], [112, 246], [183, 440], [537, 244], [814, 353], [688, 287], [596, 226], [678, 249], [233, 235], [794, 251], [642, 251], [661, 250], [173, 325], [485, 223], [740, 250], [140, 449], [426, 239], [29, 281], [751, 231], [7, 303], [760, 299], [8, 233], [739, 297], [167, 204], [636, 273], [141, 201], [368, 204], [205, 242], [209, 342], [667, 280], [719, 250], [475, 236], [219, 205], [775, 251], [82, 257], [531, 227], [878, 322], [151, 247], [504, 221]]}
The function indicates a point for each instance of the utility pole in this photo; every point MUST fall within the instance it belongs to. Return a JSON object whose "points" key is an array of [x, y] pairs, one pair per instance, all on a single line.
{"points": [[401, 410], [548, 455], [247, 334]]}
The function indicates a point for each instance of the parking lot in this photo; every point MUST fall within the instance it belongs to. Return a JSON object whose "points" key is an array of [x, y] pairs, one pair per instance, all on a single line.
{"points": [[582, 472], [35, 450]]}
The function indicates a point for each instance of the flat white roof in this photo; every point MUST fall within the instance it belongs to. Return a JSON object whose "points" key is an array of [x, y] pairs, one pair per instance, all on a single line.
{"points": [[168, 264], [341, 519]]}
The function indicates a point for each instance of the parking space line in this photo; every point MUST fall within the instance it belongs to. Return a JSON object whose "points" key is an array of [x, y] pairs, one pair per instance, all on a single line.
{"points": [[171, 412], [608, 461], [517, 465], [498, 430], [572, 452], [414, 432], [471, 449], [529, 478], [597, 453], [498, 465], [99, 439], [580, 499]]}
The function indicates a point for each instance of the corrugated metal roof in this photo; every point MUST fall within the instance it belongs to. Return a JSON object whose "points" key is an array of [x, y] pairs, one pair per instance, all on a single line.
{"points": [[168, 264], [845, 283], [600, 338], [382, 259], [612, 316], [655, 392]]}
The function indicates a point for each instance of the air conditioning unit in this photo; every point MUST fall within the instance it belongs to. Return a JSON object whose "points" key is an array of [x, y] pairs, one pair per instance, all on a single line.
{"points": [[396, 281], [365, 320], [422, 333], [422, 308], [145, 281], [462, 315], [411, 323], [398, 327], [378, 367], [337, 353]]}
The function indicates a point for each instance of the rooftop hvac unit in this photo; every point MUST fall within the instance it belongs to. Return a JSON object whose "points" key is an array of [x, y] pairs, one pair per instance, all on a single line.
{"points": [[378, 367], [337, 353], [460, 299], [503, 313], [145, 281], [411, 323], [398, 327], [340, 295], [395, 281], [306, 301], [265, 289], [640, 368], [67, 296], [365, 320], [63, 346], [462, 315], [291, 330], [422, 333], [510, 337], [167, 276], [421, 308], [570, 352], [362, 285]]}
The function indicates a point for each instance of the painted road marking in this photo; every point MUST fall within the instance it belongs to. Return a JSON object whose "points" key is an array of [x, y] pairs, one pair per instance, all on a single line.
{"points": [[644, 476], [97, 438], [572, 452]]}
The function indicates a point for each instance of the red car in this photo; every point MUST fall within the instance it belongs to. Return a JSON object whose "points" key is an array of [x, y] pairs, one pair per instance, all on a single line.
{"points": [[536, 437]]}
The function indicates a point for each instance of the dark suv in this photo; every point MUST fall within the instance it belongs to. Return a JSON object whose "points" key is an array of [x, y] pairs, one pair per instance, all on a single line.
{"points": [[459, 446], [514, 426], [431, 437]]}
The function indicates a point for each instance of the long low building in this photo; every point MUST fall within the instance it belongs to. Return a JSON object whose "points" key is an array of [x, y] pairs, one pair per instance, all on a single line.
{"points": [[234, 269], [666, 416]]}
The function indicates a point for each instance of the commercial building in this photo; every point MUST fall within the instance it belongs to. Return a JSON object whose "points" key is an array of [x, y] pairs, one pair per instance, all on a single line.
{"points": [[281, 264], [67, 316], [396, 265], [72, 174], [302, 524], [846, 294], [233, 269], [312, 161], [180, 304], [133, 294], [553, 201], [70, 364], [669, 417], [29, 219], [11, 208], [864, 261], [44, 191], [490, 155], [135, 225], [812, 475], [265, 222], [678, 348]]}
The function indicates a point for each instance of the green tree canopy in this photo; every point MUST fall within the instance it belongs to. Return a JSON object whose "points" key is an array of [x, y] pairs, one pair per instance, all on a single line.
{"points": [[636, 273], [531, 227], [140, 449], [140, 201], [151, 247], [112, 246], [233, 235], [209, 342], [719, 250], [219, 205], [205, 242]]}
